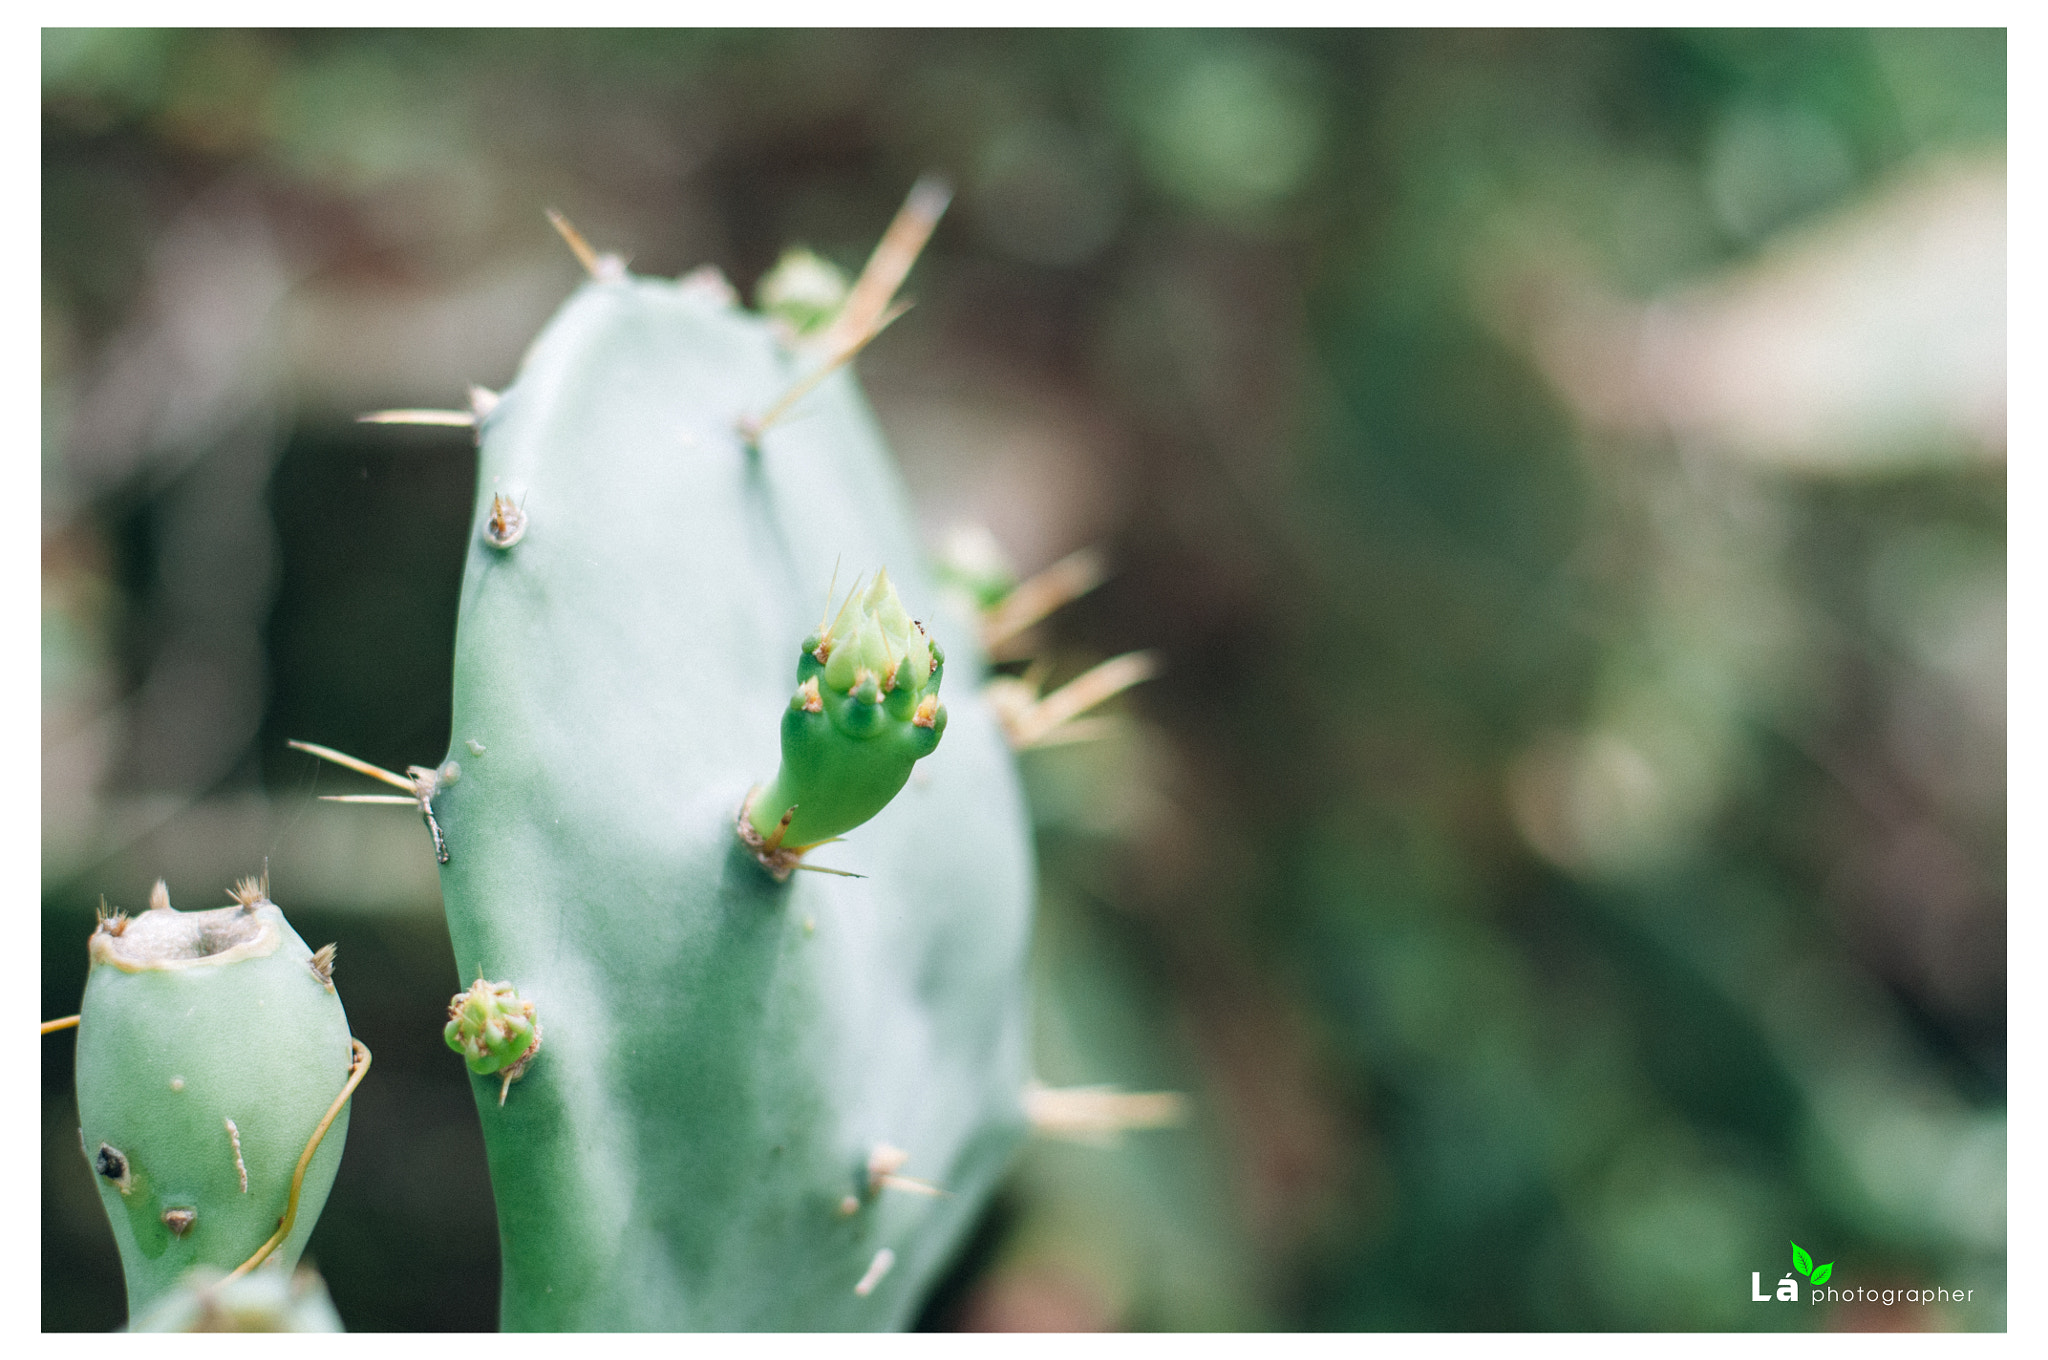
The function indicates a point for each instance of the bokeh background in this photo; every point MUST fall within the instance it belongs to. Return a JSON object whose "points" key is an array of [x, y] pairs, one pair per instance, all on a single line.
{"points": [[1563, 474]]}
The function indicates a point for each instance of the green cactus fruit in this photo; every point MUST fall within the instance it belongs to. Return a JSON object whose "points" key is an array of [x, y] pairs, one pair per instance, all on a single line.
{"points": [[494, 1031], [803, 291], [211, 1044], [866, 709], [724, 1051]]}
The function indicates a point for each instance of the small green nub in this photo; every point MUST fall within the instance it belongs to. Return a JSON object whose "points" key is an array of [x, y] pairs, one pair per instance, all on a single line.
{"points": [[491, 1027], [972, 562], [803, 291]]}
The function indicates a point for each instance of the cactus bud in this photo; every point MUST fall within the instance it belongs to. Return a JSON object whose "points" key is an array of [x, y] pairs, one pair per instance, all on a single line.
{"points": [[972, 563], [866, 709], [803, 291], [494, 1031]]}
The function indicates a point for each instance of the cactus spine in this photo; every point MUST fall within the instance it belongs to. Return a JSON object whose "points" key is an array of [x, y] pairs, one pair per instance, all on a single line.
{"points": [[724, 1051], [211, 1045]]}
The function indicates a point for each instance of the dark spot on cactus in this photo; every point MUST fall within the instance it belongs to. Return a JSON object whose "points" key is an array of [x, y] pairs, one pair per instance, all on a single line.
{"points": [[180, 1220], [110, 1163], [434, 830]]}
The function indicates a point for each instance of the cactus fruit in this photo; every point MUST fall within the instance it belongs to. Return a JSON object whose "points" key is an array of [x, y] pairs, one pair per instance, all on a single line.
{"points": [[725, 1050], [211, 1047]]}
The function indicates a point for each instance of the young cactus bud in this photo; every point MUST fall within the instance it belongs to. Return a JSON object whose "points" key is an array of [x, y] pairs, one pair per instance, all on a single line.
{"points": [[494, 1031], [209, 1051], [866, 709], [971, 562], [803, 291]]}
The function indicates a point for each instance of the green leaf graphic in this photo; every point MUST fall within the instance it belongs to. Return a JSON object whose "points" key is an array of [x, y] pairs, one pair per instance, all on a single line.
{"points": [[1800, 1260], [1821, 1273]]}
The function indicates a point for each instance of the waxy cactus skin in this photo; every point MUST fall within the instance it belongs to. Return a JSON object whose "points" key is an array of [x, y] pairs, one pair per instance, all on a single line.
{"points": [[723, 1051], [209, 1049]]}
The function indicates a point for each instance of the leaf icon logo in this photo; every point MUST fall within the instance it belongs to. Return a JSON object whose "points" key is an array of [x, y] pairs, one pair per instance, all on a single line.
{"points": [[1801, 1262], [1822, 1272]]}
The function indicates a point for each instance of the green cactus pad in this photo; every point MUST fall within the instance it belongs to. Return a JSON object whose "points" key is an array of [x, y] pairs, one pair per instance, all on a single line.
{"points": [[210, 1046], [723, 1051]]}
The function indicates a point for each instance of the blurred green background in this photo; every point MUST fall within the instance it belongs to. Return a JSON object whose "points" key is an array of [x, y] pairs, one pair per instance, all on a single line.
{"points": [[1563, 473]]}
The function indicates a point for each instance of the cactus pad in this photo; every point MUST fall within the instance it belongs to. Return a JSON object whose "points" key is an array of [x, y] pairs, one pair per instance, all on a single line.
{"points": [[723, 1050]]}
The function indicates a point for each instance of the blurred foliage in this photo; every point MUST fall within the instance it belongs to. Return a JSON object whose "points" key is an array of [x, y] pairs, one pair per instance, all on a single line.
{"points": [[1563, 859]]}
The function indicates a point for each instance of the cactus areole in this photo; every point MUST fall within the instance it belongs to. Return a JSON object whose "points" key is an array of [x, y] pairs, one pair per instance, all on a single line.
{"points": [[210, 1047], [726, 1041]]}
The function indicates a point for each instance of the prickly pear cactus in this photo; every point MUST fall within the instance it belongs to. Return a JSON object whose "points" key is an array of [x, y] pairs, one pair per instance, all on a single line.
{"points": [[210, 1046], [728, 1050]]}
